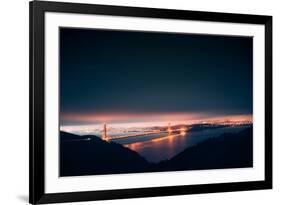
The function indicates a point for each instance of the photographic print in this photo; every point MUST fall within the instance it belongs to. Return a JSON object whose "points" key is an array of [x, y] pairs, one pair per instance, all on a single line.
{"points": [[129, 102], [139, 101]]}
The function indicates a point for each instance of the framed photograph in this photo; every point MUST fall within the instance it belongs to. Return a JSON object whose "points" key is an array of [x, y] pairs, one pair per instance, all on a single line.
{"points": [[140, 102]]}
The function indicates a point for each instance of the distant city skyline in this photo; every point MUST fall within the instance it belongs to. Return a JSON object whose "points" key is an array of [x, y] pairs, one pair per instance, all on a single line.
{"points": [[96, 128]]}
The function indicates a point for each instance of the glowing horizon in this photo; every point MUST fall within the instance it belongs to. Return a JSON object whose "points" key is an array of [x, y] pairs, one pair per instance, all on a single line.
{"points": [[153, 121], [111, 117], [97, 118]]}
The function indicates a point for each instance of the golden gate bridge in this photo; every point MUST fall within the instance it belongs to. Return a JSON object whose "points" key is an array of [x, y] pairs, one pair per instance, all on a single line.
{"points": [[168, 131]]}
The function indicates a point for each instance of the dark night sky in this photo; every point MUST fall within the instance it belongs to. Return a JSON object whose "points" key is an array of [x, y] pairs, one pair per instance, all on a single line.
{"points": [[142, 72]]}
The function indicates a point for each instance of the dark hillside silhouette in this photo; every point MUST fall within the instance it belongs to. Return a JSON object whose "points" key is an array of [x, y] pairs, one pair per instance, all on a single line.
{"points": [[90, 155], [226, 151]]}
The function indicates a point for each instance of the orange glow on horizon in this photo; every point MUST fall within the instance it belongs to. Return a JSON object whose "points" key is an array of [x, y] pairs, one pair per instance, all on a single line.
{"points": [[150, 121], [107, 117], [152, 117]]}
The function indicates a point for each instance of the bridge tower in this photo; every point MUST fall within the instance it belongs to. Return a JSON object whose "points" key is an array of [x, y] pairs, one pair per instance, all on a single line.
{"points": [[169, 129], [104, 132]]}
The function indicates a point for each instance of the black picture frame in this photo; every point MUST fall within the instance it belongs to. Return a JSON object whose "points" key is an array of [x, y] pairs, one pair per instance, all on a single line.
{"points": [[37, 193]]}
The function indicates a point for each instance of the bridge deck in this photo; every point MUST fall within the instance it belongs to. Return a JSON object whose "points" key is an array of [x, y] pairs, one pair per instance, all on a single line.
{"points": [[142, 134]]}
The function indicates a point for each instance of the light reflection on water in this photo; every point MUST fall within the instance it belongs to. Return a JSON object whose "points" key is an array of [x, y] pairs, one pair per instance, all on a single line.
{"points": [[156, 148]]}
